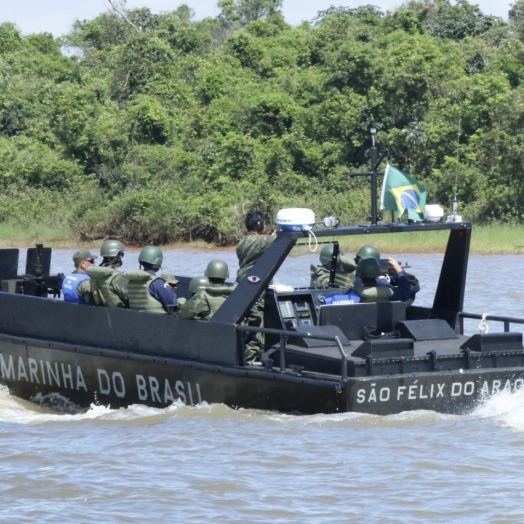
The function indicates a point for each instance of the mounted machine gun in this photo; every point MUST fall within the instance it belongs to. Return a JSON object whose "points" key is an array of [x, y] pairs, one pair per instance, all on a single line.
{"points": [[36, 280]]}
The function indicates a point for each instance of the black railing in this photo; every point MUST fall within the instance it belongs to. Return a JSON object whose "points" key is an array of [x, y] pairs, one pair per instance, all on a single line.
{"points": [[475, 316], [284, 334]]}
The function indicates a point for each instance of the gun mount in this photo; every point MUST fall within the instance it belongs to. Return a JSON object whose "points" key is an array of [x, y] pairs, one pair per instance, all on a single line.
{"points": [[36, 281]]}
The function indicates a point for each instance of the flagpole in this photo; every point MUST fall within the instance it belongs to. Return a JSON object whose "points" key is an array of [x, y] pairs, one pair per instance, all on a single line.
{"points": [[374, 218], [374, 155]]}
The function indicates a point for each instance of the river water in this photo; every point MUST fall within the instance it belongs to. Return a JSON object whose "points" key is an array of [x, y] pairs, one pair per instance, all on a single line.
{"points": [[210, 463]]}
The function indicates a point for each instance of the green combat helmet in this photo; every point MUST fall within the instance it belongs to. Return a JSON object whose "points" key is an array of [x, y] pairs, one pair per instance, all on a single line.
{"points": [[368, 251], [111, 248], [326, 254], [197, 284], [217, 269], [368, 268], [151, 255]]}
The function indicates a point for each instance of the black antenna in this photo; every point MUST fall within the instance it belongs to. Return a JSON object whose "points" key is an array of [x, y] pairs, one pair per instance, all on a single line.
{"points": [[454, 208], [375, 217]]}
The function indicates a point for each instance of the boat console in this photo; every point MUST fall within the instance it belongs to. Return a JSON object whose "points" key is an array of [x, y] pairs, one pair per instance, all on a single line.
{"points": [[308, 308]]}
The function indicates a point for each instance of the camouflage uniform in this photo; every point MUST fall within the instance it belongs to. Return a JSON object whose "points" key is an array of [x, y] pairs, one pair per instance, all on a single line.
{"points": [[84, 290], [344, 277], [249, 250], [109, 287], [371, 292], [206, 302]]}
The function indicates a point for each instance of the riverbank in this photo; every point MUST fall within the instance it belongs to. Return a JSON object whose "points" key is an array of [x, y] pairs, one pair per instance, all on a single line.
{"points": [[508, 239]]}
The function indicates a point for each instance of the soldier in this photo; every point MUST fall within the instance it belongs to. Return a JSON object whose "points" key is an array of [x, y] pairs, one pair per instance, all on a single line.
{"points": [[367, 251], [253, 243], [250, 248], [368, 270], [108, 286], [345, 272], [197, 284], [205, 303], [387, 277], [146, 290], [76, 287]]}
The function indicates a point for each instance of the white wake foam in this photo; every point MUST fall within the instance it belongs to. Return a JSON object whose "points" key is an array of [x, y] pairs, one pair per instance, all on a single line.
{"points": [[506, 408]]}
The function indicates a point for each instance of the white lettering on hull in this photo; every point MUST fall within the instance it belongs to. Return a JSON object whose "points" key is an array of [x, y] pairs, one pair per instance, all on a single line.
{"points": [[33, 370], [153, 390], [42, 372], [104, 384], [416, 391], [70, 377], [119, 386], [8, 371]]}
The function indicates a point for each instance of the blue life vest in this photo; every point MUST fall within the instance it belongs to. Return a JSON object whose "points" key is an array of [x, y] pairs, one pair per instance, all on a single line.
{"points": [[70, 286], [349, 298]]}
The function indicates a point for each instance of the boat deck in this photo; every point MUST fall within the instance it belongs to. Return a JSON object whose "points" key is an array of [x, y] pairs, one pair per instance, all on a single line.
{"points": [[403, 356]]}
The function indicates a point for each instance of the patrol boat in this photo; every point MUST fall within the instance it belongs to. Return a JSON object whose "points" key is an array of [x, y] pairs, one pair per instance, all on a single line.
{"points": [[73, 355], [321, 357]]}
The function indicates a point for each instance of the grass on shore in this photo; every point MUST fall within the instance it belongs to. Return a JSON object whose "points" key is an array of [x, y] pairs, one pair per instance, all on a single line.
{"points": [[485, 240], [20, 235]]}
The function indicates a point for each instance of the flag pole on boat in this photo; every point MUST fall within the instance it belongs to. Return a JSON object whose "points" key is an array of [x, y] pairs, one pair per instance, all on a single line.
{"points": [[375, 217], [455, 217]]}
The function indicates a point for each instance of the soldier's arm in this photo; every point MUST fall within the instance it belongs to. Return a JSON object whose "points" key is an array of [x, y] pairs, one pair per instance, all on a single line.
{"points": [[347, 264], [84, 292], [193, 309], [119, 286], [402, 290]]}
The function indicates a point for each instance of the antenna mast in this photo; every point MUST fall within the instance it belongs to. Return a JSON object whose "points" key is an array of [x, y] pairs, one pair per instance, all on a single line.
{"points": [[454, 209], [375, 217]]}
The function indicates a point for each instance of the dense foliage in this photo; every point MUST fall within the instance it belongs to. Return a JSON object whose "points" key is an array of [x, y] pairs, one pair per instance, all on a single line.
{"points": [[156, 128]]}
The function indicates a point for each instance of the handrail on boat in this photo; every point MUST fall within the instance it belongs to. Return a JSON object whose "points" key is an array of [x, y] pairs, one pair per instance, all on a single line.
{"points": [[506, 320], [283, 333]]}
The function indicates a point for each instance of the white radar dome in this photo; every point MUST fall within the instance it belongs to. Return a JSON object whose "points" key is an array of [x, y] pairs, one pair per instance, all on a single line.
{"points": [[433, 213], [295, 219]]}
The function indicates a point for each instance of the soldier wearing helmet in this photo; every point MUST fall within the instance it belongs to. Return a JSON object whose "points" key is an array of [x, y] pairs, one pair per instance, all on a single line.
{"points": [[345, 271], [368, 270], [249, 250], [367, 251], [205, 303], [148, 291], [197, 284], [112, 253], [108, 286]]}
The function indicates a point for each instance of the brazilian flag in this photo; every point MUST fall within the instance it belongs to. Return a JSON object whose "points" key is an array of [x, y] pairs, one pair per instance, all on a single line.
{"points": [[402, 193]]}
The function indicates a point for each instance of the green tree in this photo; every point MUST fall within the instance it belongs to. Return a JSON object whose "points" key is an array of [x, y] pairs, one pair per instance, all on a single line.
{"points": [[516, 18], [456, 21], [243, 12]]}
